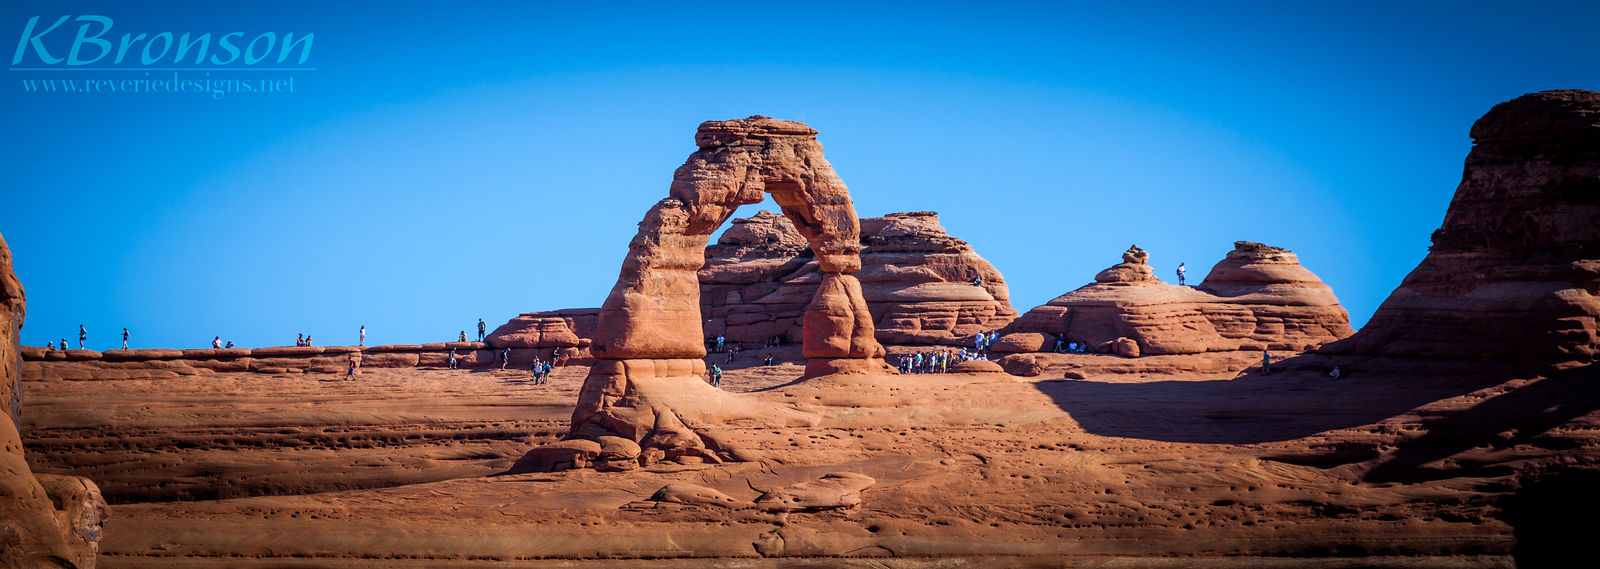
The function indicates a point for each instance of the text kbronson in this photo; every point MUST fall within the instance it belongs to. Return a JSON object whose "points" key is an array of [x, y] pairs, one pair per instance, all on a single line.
{"points": [[90, 45]]}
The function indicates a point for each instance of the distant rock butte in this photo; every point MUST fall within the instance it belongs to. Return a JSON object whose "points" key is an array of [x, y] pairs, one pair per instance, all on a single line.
{"points": [[1513, 275], [1258, 297], [759, 277]]}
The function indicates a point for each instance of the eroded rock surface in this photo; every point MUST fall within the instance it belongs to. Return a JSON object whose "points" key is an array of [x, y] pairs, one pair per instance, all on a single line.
{"points": [[834, 490], [1257, 297], [49, 521], [918, 281], [1513, 275]]}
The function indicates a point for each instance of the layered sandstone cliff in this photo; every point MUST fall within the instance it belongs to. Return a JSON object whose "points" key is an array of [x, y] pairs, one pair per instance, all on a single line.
{"points": [[1513, 275], [1257, 297], [917, 280]]}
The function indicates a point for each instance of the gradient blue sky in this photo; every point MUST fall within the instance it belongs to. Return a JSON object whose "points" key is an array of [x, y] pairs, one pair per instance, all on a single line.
{"points": [[446, 162]]}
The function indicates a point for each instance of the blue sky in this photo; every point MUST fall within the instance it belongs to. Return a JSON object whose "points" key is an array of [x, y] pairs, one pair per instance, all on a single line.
{"points": [[444, 163]]}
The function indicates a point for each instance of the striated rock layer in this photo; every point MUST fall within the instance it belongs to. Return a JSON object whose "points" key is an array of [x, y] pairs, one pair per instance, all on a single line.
{"points": [[1514, 271], [1258, 297], [917, 280], [45, 521], [648, 339]]}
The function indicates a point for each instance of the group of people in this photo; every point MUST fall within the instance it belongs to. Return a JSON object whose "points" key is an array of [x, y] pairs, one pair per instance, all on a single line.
{"points": [[83, 336], [714, 375], [1065, 346], [541, 370], [937, 361], [732, 352], [981, 341]]}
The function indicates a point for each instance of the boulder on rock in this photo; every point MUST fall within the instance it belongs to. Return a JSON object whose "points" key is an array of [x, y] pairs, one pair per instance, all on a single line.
{"points": [[572, 453], [693, 495], [1025, 365], [977, 366], [832, 491]]}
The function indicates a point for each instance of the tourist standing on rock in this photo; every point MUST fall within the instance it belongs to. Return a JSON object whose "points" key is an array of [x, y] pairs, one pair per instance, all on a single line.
{"points": [[769, 360], [716, 376], [124, 338], [453, 354], [481, 329], [1266, 363], [216, 342], [720, 341], [1181, 273], [547, 368], [363, 340], [299, 339], [83, 335], [308, 339], [505, 358], [63, 344], [350, 374]]}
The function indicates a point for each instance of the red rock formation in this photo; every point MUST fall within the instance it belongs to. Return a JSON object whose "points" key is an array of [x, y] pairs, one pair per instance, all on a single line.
{"points": [[916, 279], [1513, 275], [45, 521], [648, 340], [760, 276], [1258, 297], [570, 328]]}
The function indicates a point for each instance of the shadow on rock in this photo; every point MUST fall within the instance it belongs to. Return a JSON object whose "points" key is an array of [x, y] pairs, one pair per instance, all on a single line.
{"points": [[1296, 400], [1553, 519], [1522, 416]]}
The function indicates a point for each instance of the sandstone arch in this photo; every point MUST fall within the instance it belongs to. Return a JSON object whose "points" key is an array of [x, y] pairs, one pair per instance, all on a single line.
{"points": [[646, 385]]}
